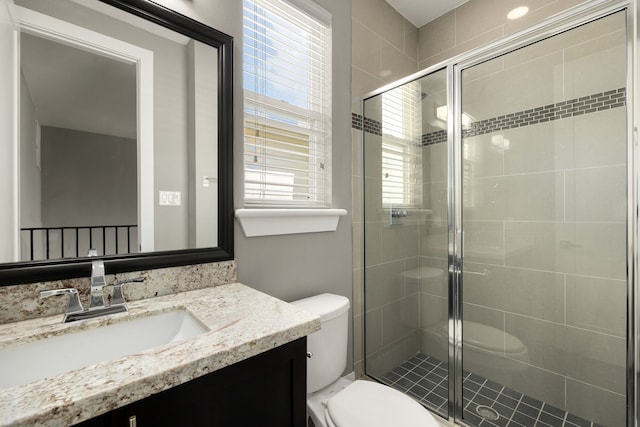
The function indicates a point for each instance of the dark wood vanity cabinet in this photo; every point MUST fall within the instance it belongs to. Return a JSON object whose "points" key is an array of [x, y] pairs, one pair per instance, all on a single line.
{"points": [[266, 390]]}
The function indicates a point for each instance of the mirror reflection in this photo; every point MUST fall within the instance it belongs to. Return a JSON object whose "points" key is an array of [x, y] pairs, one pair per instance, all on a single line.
{"points": [[118, 135]]}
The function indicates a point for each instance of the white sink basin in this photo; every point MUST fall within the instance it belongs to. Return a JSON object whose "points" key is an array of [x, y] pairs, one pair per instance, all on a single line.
{"points": [[33, 361]]}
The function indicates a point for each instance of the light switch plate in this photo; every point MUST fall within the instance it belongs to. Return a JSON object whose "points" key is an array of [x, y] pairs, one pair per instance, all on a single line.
{"points": [[169, 198]]}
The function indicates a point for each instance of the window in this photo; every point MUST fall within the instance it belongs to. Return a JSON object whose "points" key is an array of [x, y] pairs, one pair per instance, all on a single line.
{"points": [[287, 104], [401, 142]]}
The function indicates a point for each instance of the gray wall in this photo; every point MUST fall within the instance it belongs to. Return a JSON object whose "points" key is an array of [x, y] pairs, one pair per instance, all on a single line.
{"points": [[87, 178], [30, 211], [203, 147], [294, 266]]}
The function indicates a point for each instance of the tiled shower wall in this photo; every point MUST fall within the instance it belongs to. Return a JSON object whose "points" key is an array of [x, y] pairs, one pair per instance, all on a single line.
{"points": [[544, 210], [573, 319], [384, 49], [587, 376]]}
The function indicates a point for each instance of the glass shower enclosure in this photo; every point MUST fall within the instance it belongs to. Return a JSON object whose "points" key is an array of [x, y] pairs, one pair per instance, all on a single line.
{"points": [[499, 207]]}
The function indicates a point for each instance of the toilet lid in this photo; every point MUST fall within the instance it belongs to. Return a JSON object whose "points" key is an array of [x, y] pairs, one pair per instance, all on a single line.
{"points": [[369, 404]]}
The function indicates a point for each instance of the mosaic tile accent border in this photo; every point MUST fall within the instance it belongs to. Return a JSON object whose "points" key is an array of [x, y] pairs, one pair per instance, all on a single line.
{"points": [[425, 378], [356, 121], [434, 137], [573, 107], [372, 126]]}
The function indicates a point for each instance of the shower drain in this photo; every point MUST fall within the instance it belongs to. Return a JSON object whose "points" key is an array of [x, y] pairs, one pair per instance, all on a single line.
{"points": [[487, 413]]}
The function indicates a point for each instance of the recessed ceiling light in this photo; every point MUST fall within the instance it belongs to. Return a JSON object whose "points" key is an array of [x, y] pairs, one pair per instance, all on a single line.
{"points": [[518, 12]]}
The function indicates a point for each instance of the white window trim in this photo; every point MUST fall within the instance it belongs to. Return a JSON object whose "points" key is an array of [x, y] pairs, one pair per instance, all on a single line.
{"points": [[272, 222]]}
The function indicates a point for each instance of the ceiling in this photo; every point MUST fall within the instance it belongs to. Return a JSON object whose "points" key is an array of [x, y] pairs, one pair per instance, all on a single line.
{"points": [[419, 12]]}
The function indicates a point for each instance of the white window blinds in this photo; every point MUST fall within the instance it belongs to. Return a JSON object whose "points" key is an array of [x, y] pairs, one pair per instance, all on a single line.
{"points": [[401, 143], [287, 104]]}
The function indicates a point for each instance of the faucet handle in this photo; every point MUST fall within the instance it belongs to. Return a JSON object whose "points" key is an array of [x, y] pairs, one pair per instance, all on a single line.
{"points": [[117, 297], [74, 301]]}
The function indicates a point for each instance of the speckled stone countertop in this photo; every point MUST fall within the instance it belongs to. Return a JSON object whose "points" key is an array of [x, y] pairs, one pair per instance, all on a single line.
{"points": [[242, 323]]}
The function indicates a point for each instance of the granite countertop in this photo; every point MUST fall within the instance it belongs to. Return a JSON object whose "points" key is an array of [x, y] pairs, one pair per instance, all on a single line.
{"points": [[242, 323]]}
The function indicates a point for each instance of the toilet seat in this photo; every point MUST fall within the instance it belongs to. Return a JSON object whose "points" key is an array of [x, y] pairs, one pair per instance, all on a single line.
{"points": [[369, 404]]}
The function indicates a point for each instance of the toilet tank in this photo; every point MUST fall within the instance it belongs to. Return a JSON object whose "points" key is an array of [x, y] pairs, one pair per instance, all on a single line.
{"points": [[328, 346]]}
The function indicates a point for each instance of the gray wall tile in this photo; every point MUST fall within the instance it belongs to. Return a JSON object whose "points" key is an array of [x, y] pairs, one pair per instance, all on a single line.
{"points": [[597, 194], [601, 406], [504, 288], [590, 357], [597, 304]]}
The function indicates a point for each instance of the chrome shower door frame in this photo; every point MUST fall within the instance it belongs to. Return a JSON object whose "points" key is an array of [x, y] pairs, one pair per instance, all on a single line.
{"points": [[569, 19], [572, 18]]}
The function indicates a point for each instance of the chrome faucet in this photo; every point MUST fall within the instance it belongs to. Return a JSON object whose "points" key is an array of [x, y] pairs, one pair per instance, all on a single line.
{"points": [[97, 306]]}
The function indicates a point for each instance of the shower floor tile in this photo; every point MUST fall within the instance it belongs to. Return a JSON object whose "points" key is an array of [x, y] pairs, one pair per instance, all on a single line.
{"points": [[426, 379]]}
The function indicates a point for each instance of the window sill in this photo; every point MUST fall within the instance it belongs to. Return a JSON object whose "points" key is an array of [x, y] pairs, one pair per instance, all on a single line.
{"points": [[272, 222]]}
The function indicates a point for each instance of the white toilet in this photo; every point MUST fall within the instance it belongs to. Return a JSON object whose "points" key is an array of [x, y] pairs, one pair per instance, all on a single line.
{"points": [[339, 402]]}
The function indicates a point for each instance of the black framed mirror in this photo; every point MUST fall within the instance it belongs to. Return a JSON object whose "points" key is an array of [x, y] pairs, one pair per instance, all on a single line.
{"points": [[23, 272]]}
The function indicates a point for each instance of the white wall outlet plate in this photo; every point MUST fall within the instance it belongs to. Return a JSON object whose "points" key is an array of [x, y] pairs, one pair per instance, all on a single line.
{"points": [[169, 198]]}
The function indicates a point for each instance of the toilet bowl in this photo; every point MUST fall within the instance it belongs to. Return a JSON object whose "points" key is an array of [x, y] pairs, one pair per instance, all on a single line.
{"points": [[333, 401]]}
